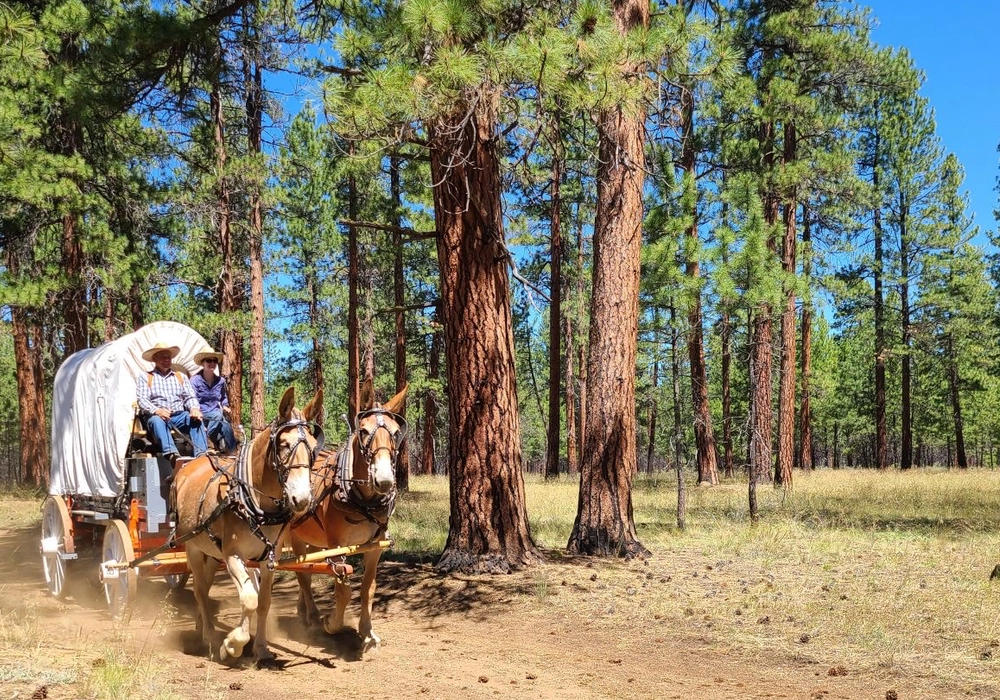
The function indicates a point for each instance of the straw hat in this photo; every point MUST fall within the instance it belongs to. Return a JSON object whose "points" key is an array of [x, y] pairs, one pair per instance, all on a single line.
{"points": [[207, 353], [160, 347]]}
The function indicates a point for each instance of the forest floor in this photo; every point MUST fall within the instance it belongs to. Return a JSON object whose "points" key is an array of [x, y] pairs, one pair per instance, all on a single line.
{"points": [[572, 628]]}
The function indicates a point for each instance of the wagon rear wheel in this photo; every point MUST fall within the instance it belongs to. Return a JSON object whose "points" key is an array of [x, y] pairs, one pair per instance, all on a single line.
{"points": [[56, 529], [120, 584]]}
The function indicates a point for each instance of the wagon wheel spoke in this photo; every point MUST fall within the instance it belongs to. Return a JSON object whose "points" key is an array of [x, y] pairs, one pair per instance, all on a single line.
{"points": [[120, 590], [55, 529]]}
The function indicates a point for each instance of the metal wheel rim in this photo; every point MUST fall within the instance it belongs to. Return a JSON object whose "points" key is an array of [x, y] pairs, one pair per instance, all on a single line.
{"points": [[53, 565], [119, 593]]}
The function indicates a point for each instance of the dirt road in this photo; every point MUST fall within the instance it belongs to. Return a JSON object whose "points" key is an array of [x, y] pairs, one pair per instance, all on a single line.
{"points": [[572, 629]]}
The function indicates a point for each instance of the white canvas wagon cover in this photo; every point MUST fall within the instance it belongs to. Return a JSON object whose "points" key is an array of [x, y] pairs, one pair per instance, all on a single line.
{"points": [[93, 406]]}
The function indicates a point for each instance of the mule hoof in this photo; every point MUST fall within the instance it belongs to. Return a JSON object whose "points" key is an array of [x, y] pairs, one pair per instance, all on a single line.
{"points": [[230, 648], [372, 641], [264, 657]]}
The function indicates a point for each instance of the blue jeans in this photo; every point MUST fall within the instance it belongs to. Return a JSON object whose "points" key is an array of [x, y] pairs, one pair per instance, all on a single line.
{"points": [[181, 421], [219, 430]]}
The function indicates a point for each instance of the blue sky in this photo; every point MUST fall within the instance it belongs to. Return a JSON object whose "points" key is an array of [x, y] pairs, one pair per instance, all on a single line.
{"points": [[956, 45]]}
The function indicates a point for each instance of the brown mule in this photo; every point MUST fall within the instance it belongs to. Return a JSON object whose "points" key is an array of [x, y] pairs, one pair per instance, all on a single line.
{"points": [[355, 491], [234, 510]]}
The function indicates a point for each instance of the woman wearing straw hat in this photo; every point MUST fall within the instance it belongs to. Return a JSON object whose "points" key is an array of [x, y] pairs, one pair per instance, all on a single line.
{"points": [[167, 400], [213, 398]]}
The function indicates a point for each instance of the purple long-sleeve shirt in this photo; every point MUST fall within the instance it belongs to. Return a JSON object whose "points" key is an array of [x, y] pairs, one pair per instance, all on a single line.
{"points": [[210, 398]]}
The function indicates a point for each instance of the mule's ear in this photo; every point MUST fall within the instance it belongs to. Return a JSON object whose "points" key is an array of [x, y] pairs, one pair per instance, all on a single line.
{"points": [[313, 410], [367, 398], [395, 404], [287, 404]]}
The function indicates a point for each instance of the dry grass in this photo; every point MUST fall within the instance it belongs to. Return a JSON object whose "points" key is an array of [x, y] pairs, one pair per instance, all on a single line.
{"points": [[884, 574]]}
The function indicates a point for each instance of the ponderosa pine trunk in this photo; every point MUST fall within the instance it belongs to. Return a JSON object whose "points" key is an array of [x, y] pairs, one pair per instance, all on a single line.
{"points": [[906, 407], [572, 465], [255, 112], [678, 431], [761, 337], [555, 314], [229, 294], [708, 469], [75, 295], [430, 401], [488, 530], [652, 409], [353, 330], [34, 452], [316, 355], [786, 383], [727, 395], [726, 340], [956, 406], [581, 350], [30, 399], [881, 429], [805, 458], [398, 300], [605, 524], [67, 136]]}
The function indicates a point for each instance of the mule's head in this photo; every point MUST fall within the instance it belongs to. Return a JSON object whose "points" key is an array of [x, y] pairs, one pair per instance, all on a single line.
{"points": [[295, 440], [380, 432]]}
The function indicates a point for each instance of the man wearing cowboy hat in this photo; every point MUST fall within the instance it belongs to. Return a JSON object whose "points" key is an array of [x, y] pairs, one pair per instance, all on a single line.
{"points": [[167, 400], [213, 397]]}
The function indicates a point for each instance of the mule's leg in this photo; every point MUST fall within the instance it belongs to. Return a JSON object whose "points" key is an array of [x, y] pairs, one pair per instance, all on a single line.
{"points": [[334, 622], [246, 586], [307, 610], [203, 575], [370, 639], [260, 651]]}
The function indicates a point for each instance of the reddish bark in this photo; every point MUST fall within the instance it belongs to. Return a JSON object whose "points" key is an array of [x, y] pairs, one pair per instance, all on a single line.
{"points": [[489, 524], [430, 403], [399, 299], [555, 315], [805, 458], [760, 349], [353, 330], [604, 523], [786, 387], [230, 299], [708, 470], [255, 116]]}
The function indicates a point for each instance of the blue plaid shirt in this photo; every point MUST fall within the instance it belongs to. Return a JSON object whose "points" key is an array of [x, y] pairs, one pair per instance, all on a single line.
{"points": [[171, 391]]}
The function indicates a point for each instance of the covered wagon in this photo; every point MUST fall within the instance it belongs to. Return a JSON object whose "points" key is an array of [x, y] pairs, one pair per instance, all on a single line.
{"points": [[107, 500]]}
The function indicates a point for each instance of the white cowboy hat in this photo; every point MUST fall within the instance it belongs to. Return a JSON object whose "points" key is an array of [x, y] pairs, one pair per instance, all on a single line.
{"points": [[207, 353], [160, 347]]}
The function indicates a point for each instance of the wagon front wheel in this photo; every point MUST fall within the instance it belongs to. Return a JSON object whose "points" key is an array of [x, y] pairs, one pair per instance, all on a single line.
{"points": [[120, 582], [56, 534]]}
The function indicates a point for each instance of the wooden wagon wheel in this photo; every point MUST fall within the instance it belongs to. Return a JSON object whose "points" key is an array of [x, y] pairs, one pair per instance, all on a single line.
{"points": [[56, 528], [120, 590]]}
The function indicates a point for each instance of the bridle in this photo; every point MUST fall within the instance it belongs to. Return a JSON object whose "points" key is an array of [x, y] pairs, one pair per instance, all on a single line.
{"points": [[244, 497], [358, 497], [366, 438], [282, 458]]}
